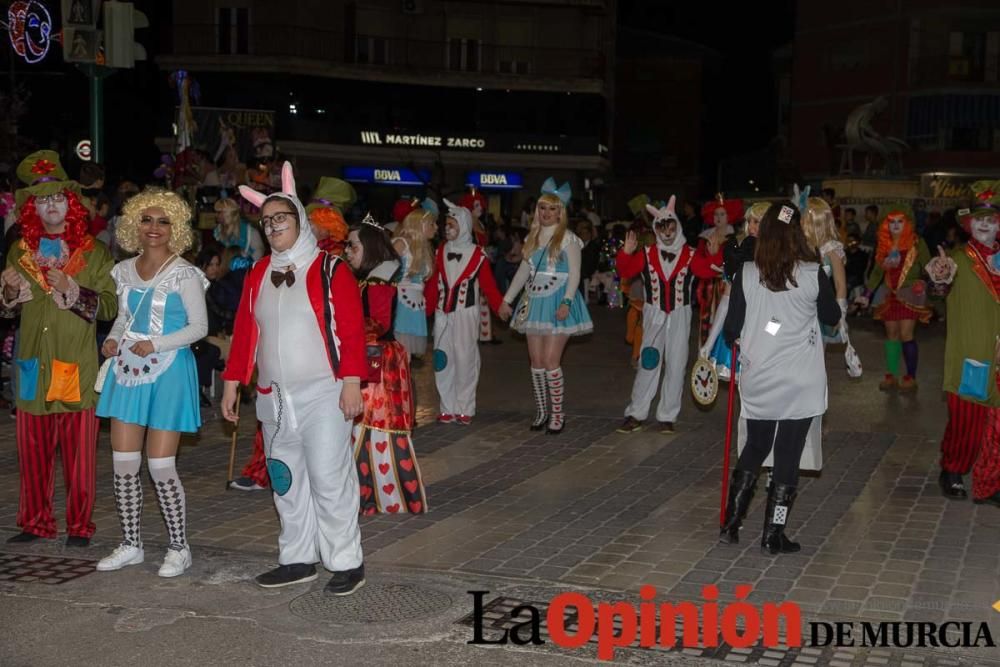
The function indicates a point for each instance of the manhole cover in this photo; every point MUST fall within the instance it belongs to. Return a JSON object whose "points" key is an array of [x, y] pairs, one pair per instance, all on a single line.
{"points": [[374, 603], [23, 568]]}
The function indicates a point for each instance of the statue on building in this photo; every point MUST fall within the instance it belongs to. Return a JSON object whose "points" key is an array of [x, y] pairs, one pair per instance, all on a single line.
{"points": [[861, 136]]}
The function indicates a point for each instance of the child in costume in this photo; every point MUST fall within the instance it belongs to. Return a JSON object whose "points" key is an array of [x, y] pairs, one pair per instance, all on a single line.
{"points": [[412, 244], [972, 351], [383, 449], [151, 391], [552, 308], [299, 303], [460, 275], [665, 271], [59, 278], [900, 294]]}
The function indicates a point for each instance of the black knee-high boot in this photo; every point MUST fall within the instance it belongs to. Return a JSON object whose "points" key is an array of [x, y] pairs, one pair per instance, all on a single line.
{"points": [[780, 498], [741, 489]]}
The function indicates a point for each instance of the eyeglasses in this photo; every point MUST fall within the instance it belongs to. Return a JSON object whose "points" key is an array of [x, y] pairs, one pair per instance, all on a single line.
{"points": [[277, 219], [56, 198]]}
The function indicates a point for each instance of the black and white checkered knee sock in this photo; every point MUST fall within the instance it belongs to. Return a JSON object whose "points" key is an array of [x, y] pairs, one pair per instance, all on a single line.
{"points": [[128, 495], [538, 385], [170, 493]]}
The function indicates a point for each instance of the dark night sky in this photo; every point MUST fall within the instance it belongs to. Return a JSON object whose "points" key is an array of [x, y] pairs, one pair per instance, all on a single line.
{"points": [[745, 35]]}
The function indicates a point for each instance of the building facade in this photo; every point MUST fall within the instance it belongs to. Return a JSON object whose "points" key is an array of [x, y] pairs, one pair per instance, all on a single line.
{"points": [[414, 97], [935, 64]]}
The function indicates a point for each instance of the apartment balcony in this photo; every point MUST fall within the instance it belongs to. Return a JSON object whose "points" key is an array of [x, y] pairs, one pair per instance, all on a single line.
{"points": [[327, 53]]}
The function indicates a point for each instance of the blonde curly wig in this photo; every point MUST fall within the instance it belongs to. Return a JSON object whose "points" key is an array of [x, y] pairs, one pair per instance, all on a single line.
{"points": [[177, 210]]}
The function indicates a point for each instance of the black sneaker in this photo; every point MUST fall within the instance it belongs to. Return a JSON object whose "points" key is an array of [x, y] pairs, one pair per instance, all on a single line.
{"points": [[245, 484], [77, 541], [666, 427], [630, 425], [23, 538], [286, 575], [346, 582]]}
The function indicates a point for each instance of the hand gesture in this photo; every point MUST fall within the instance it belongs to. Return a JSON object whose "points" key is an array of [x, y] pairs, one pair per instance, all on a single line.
{"points": [[940, 268], [229, 401], [716, 268], [351, 403], [58, 280], [562, 312], [505, 311], [142, 348], [110, 348], [631, 243], [861, 302]]}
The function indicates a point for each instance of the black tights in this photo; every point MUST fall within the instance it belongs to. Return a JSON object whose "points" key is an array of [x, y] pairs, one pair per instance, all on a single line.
{"points": [[788, 437]]}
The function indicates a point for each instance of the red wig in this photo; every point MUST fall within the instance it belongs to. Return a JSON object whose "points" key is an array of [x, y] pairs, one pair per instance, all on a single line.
{"points": [[733, 207], [77, 222], [907, 238]]}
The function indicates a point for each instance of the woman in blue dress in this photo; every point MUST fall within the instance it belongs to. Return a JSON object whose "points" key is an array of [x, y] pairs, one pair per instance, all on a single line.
{"points": [[412, 244], [150, 392], [232, 231], [553, 309]]}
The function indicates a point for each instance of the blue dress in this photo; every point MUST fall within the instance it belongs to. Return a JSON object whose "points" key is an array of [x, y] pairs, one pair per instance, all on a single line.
{"points": [[546, 290], [170, 401], [411, 315]]}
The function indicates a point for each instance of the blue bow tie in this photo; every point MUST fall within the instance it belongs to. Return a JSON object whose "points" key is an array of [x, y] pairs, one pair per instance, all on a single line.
{"points": [[50, 247]]}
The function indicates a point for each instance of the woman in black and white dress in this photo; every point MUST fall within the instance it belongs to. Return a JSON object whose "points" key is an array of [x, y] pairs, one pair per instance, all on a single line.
{"points": [[776, 306]]}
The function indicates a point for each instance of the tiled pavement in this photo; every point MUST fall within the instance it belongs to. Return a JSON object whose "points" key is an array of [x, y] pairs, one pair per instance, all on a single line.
{"points": [[592, 508]]}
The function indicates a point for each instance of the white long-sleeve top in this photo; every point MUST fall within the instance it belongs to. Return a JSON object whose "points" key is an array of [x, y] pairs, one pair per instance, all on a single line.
{"points": [[571, 245], [182, 278]]}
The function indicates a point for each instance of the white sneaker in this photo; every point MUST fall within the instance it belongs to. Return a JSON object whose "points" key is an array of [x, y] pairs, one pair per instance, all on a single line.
{"points": [[123, 555], [175, 562]]}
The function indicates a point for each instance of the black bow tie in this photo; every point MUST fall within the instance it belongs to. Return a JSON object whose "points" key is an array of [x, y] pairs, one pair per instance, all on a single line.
{"points": [[455, 256], [279, 277], [669, 256]]}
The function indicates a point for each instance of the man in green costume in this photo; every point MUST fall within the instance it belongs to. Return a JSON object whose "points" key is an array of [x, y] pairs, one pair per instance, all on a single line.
{"points": [[972, 436], [59, 279]]}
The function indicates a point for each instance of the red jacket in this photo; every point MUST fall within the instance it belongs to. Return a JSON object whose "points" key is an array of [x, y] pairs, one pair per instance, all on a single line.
{"points": [[676, 289], [346, 321], [703, 261], [478, 267]]}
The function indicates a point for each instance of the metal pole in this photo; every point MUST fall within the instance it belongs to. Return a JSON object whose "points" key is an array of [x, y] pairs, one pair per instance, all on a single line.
{"points": [[96, 113]]}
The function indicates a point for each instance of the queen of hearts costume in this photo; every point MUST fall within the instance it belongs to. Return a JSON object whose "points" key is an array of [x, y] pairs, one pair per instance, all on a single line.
{"points": [[297, 304]]}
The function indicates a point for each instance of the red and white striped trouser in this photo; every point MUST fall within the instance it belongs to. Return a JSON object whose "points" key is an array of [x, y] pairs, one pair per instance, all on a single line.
{"points": [[256, 467], [972, 441], [38, 436]]}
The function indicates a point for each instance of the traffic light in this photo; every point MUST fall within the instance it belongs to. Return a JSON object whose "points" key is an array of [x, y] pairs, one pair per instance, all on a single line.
{"points": [[121, 20]]}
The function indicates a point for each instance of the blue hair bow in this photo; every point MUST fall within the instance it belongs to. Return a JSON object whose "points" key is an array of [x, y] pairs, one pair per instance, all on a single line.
{"points": [[563, 192], [240, 263], [430, 206], [801, 197]]}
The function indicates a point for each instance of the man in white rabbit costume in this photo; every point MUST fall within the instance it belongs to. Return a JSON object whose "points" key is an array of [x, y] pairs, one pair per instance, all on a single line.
{"points": [[668, 279], [301, 307]]}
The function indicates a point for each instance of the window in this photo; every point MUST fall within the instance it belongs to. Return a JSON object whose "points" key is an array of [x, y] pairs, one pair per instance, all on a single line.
{"points": [[513, 66], [233, 30], [967, 56], [463, 55], [514, 38], [369, 50]]}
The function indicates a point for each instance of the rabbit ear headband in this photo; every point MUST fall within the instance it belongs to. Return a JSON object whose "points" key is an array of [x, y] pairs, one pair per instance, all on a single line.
{"points": [[665, 213], [287, 187]]}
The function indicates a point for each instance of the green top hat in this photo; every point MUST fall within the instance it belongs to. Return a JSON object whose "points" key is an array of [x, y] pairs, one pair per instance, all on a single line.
{"points": [[986, 196], [638, 203], [332, 192], [43, 174]]}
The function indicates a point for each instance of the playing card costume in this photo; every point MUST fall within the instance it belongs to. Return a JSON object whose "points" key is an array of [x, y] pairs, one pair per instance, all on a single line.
{"points": [[718, 215], [461, 274], [972, 352], [300, 322], [56, 362], [668, 279]]}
